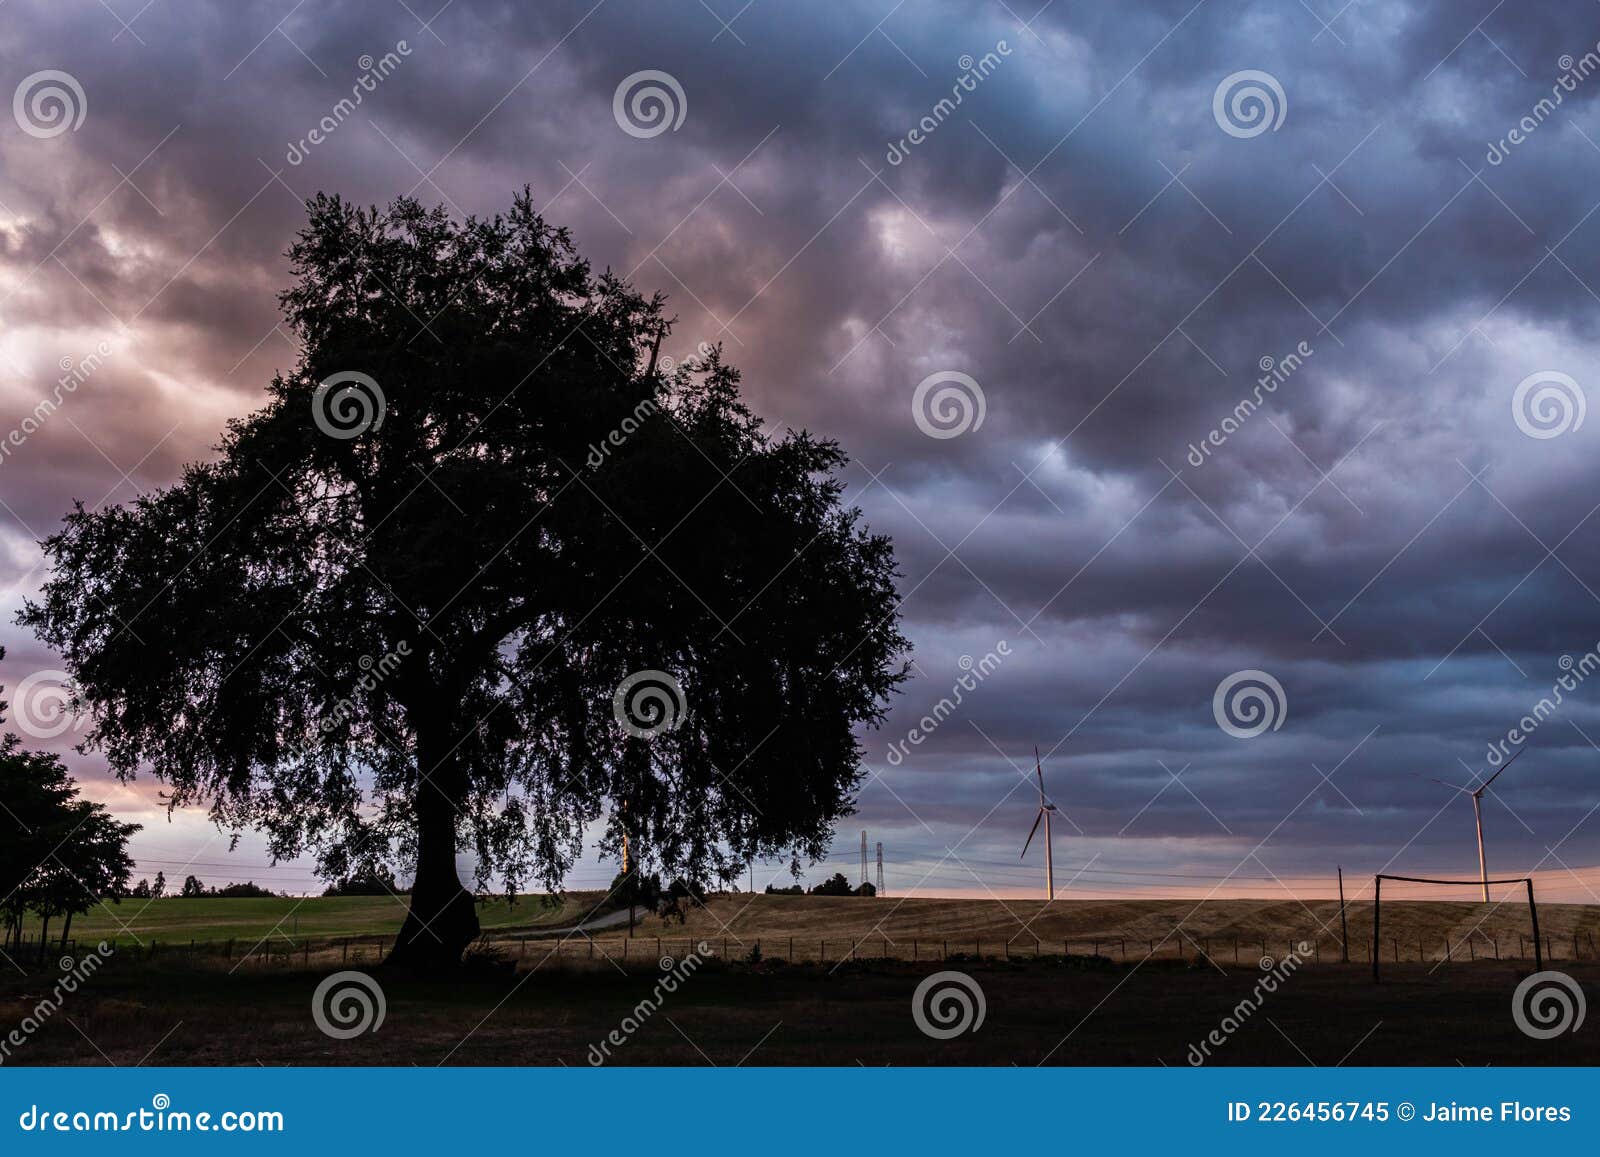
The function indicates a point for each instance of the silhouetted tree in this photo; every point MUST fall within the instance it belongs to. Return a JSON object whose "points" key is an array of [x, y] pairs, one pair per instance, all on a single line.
{"points": [[837, 885], [249, 890], [89, 865], [159, 888], [518, 507], [192, 888], [59, 855], [372, 880]]}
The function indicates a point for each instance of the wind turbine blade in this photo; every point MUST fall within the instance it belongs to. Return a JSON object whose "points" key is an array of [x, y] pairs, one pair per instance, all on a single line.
{"points": [[1503, 766], [1031, 832], [1038, 769], [1442, 783]]}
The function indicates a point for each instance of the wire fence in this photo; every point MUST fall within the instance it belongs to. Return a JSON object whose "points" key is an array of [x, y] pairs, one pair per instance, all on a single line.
{"points": [[665, 952]]}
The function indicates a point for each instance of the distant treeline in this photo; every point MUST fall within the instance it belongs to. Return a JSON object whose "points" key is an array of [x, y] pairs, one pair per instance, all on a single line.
{"points": [[193, 889], [837, 885], [367, 882]]}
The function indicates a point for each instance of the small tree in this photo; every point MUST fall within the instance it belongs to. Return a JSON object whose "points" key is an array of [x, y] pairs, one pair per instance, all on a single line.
{"points": [[60, 854], [159, 888], [192, 888], [36, 791], [90, 865]]}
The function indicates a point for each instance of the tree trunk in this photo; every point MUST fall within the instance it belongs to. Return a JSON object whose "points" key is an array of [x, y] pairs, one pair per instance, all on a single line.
{"points": [[65, 928], [44, 935], [442, 920]]}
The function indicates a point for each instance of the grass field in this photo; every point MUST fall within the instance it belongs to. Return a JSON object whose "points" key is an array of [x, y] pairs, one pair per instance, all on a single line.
{"points": [[523, 999], [829, 927], [174, 921]]}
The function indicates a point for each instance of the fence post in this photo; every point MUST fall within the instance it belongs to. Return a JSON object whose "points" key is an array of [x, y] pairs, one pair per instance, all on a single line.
{"points": [[345, 958], [1377, 907]]}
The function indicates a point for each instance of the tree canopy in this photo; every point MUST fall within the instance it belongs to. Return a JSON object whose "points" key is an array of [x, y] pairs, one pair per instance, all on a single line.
{"points": [[484, 570]]}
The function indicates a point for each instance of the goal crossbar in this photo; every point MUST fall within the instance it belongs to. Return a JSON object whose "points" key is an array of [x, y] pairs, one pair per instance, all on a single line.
{"points": [[1377, 908]]}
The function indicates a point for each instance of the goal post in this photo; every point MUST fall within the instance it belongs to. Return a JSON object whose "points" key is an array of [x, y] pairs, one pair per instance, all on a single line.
{"points": [[1377, 909]]}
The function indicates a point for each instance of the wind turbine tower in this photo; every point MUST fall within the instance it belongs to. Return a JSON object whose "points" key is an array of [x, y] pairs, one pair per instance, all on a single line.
{"points": [[1045, 810], [1477, 813]]}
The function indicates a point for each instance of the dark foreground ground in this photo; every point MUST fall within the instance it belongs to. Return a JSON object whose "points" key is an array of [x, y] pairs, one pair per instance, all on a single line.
{"points": [[1075, 1011]]}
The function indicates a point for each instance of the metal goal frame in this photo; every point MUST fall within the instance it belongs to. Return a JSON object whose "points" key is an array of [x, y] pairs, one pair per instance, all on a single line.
{"points": [[1377, 909]]}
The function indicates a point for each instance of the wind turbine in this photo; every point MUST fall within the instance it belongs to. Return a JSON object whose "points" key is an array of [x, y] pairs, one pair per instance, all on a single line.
{"points": [[1045, 808], [1477, 813]]}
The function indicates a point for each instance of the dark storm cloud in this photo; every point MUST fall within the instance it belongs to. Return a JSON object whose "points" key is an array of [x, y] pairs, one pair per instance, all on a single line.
{"points": [[1079, 235]]}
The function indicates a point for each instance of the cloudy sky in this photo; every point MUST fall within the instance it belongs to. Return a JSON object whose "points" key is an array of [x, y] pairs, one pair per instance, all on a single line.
{"points": [[1258, 336]]}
